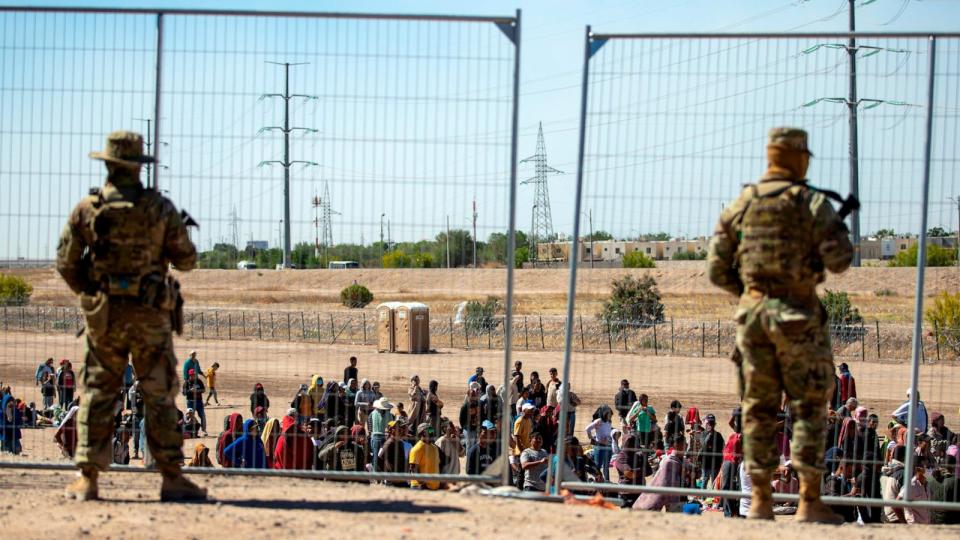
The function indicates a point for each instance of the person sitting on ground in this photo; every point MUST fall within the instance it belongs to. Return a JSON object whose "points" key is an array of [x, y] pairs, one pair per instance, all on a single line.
{"points": [[246, 452], [919, 489], [425, 457], [787, 483], [342, 455], [841, 484], [232, 428], [669, 474], [201, 456], [191, 426], [269, 436], [258, 398], [632, 467]]}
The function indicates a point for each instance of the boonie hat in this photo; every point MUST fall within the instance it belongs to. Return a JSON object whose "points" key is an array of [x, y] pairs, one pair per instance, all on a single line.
{"points": [[789, 138], [382, 404], [124, 148]]}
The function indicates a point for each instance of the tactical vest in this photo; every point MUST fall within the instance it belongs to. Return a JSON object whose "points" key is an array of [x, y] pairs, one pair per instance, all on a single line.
{"points": [[127, 241], [776, 238]]}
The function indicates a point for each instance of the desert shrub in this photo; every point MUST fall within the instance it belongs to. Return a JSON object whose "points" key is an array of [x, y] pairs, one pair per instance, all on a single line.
{"points": [[936, 256], [844, 319], [636, 259], [633, 303], [944, 316], [397, 259], [482, 316], [356, 296], [689, 256], [884, 292], [14, 291]]}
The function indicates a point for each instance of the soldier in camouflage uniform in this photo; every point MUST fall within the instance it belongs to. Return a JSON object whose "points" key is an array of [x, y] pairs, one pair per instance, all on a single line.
{"points": [[771, 248], [114, 252]]}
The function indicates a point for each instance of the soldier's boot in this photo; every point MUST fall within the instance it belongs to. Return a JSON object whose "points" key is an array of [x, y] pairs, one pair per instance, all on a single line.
{"points": [[85, 487], [176, 487], [761, 497], [811, 508]]}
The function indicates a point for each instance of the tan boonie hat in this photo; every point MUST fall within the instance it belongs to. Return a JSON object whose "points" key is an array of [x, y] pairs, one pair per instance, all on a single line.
{"points": [[124, 148], [789, 138]]}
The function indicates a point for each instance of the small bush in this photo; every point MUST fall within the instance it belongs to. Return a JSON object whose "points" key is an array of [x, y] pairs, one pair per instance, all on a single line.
{"points": [[936, 256], [356, 296], [482, 316], [689, 256], [397, 259], [944, 316], [14, 291], [884, 292], [844, 319], [633, 303], [636, 259]]}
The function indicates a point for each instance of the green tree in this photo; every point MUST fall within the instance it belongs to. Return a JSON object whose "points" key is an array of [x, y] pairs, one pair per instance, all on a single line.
{"points": [[222, 256], [839, 308], [637, 259], [938, 232], [14, 290], [936, 256], [598, 236], [944, 316], [654, 237], [632, 303], [461, 248], [356, 296], [520, 256], [495, 248], [397, 259], [884, 233], [303, 255]]}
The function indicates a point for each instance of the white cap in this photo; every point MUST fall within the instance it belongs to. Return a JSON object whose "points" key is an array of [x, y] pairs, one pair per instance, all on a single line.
{"points": [[527, 407]]}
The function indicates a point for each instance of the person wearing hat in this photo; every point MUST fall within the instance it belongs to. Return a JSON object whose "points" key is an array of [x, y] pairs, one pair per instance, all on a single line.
{"points": [[771, 247], [193, 390], [379, 419], [711, 451], [482, 454], [392, 457], [425, 457], [341, 455], [115, 253]]}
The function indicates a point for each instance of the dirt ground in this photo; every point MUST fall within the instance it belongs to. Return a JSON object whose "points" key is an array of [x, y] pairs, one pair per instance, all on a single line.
{"points": [[706, 383], [283, 508]]}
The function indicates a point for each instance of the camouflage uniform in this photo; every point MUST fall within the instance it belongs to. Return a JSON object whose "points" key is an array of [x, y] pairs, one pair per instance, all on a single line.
{"points": [[774, 267], [114, 252]]}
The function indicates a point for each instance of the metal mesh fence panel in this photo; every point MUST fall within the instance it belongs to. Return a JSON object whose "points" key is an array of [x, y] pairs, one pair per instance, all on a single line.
{"points": [[672, 127], [376, 149]]}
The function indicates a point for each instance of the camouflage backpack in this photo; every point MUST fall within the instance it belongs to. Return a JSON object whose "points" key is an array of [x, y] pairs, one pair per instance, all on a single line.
{"points": [[776, 234], [127, 240]]}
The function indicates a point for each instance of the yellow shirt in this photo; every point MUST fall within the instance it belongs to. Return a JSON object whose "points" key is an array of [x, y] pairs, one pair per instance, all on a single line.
{"points": [[522, 429], [211, 377], [427, 459]]}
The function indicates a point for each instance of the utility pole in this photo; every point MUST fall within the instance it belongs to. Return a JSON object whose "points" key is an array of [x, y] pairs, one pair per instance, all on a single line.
{"points": [[381, 238], [590, 217], [324, 222], [854, 142], [286, 163], [542, 221], [474, 233]]}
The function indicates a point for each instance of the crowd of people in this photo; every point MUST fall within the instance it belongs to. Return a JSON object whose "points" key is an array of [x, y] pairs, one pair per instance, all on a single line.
{"points": [[348, 424]]}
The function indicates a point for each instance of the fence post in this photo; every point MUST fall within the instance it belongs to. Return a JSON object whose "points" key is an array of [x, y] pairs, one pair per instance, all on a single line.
{"points": [[44, 324], [450, 324], [526, 334], [703, 340], [259, 327], [936, 339], [243, 324], [273, 328], [364, 313], [655, 347], [671, 335], [878, 339], [583, 345], [288, 326], [863, 343], [543, 344], [230, 326], [718, 337], [466, 334], [21, 318], [318, 326], [609, 338], [333, 336], [489, 337], [4, 317], [203, 330], [626, 330]]}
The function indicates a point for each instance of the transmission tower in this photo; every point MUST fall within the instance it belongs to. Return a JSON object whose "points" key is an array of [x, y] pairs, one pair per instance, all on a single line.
{"points": [[541, 227], [235, 228], [324, 221], [286, 162]]}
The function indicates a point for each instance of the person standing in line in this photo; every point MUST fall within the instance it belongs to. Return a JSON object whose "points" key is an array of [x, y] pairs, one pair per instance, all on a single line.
{"points": [[66, 383], [115, 252], [351, 371], [624, 399], [191, 363], [771, 248], [380, 418], [193, 392], [45, 367], [425, 457]]}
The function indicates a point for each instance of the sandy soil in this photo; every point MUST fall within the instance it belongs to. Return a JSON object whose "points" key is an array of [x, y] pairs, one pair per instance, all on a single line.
{"points": [[281, 508], [687, 291], [706, 383]]}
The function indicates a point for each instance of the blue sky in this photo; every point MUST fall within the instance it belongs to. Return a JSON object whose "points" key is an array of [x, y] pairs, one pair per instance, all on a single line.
{"points": [[413, 119]]}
